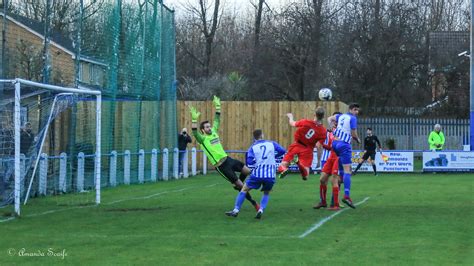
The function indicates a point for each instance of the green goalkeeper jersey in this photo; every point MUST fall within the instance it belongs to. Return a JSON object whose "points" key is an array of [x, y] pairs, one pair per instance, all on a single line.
{"points": [[211, 144]]}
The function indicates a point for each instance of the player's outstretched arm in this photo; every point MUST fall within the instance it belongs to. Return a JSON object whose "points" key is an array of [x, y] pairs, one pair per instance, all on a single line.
{"points": [[194, 126], [216, 101], [291, 119]]}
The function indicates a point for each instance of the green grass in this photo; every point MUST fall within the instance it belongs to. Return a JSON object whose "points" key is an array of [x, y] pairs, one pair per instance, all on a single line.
{"points": [[410, 219]]}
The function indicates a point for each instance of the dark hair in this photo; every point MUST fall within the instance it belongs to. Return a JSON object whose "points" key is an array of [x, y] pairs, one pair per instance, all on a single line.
{"points": [[337, 113], [353, 105], [369, 129], [201, 126], [319, 113], [257, 134]]}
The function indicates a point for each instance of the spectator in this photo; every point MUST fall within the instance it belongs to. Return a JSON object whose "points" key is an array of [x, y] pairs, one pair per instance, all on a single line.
{"points": [[436, 138], [183, 140]]}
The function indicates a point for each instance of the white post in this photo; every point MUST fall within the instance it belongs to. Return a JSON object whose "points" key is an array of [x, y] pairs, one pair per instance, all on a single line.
{"points": [[98, 154], [62, 172], [43, 174], [126, 167], [204, 163], [154, 164], [113, 169], [141, 166], [165, 164], [17, 147], [80, 172], [175, 163], [193, 161], [185, 164]]}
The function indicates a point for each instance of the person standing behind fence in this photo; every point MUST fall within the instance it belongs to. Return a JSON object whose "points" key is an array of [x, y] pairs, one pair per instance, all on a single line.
{"points": [[436, 138], [210, 142], [183, 140]]}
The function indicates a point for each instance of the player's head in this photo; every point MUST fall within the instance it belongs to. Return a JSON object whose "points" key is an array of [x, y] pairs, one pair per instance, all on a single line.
{"points": [[205, 127], [354, 108], [319, 113], [333, 123], [369, 131], [257, 134], [437, 127]]}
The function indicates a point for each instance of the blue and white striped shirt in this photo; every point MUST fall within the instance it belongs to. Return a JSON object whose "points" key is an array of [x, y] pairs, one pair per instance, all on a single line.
{"points": [[325, 155], [261, 156], [345, 124]]}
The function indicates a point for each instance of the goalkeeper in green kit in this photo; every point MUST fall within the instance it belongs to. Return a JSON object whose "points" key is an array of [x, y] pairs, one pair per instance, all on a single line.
{"points": [[208, 138]]}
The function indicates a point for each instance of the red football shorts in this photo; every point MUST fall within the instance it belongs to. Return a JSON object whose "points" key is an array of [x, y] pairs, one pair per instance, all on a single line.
{"points": [[331, 167], [305, 154]]}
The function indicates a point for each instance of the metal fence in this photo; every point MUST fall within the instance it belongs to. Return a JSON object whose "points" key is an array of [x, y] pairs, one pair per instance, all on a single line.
{"points": [[412, 133]]}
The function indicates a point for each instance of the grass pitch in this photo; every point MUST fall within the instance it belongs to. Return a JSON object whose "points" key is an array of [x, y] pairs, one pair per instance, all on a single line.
{"points": [[409, 219]]}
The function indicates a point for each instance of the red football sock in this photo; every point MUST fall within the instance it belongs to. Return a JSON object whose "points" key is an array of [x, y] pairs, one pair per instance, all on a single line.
{"points": [[322, 193], [303, 171], [335, 193], [281, 168]]}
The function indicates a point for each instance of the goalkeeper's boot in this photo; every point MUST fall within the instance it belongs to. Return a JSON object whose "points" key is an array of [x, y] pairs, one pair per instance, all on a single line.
{"points": [[320, 205], [232, 213], [283, 171], [348, 202], [259, 215]]}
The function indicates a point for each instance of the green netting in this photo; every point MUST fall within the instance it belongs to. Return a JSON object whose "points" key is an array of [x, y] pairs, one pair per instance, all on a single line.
{"points": [[136, 40], [124, 48]]}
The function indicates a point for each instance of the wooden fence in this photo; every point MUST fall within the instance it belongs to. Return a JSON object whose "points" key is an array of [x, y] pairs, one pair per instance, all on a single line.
{"points": [[239, 119]]}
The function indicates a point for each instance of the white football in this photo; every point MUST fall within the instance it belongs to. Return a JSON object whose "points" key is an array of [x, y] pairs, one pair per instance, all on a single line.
{"points": [[325, 94]]}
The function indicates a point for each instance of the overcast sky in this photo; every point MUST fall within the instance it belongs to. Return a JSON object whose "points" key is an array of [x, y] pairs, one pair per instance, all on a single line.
{"points": [[239, 5]]}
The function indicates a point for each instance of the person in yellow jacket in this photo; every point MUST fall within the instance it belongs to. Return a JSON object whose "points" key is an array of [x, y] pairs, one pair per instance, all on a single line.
{"points": [[436, 138]]}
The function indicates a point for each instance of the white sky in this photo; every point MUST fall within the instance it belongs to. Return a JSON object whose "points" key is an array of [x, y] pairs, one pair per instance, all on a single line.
{"points": [[239, 5]]}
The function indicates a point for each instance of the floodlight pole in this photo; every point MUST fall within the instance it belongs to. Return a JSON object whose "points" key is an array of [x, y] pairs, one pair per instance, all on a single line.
{"points": [[471, 80]]}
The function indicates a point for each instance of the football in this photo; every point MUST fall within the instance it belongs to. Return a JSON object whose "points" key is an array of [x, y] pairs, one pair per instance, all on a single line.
{"points": [[325, 94]]}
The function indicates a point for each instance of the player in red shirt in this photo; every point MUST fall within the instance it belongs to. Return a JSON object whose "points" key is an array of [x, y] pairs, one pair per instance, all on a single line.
{"points": [[330, 168], [308, 133]]}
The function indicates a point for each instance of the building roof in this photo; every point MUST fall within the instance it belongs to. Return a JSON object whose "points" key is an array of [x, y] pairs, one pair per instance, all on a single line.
{"points": [[57, 38]]}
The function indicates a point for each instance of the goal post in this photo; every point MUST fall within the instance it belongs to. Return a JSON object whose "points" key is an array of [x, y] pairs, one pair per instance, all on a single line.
{"points": [[63, 99]]}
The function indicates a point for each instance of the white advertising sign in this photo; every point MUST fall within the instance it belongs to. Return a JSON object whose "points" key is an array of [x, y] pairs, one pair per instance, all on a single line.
{"points": [[387, 161], [461, 161]]}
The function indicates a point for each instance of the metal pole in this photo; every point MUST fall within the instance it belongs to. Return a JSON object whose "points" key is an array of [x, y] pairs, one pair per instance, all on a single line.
{"points": [[471, 78], [3, 67], [17, 148], [46, 54], [98, 116]]}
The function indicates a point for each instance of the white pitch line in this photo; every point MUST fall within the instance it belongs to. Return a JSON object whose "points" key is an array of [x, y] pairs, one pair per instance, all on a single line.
{"points": [[6, 220], [324, 220], [113, 202]]}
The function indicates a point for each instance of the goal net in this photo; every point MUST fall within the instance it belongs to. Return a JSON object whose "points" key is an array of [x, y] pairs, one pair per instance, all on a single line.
{"points": [[49, 146]]}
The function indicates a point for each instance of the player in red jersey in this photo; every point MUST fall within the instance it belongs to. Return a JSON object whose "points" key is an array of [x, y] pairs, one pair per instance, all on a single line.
{"points": [[331, 168], [308, 133]]}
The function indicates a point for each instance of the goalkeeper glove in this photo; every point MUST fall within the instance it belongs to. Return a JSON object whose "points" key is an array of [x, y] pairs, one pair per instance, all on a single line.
{"points": [[217, 103], [194, 114]]}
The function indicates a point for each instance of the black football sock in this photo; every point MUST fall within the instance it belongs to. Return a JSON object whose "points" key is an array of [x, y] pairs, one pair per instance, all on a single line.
{"points": [[375, 168], [357, 168], [249, 198], [242, 177]]}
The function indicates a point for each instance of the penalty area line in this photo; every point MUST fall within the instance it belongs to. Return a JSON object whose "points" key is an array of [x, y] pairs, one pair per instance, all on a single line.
{"points": [[326, 219]]}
